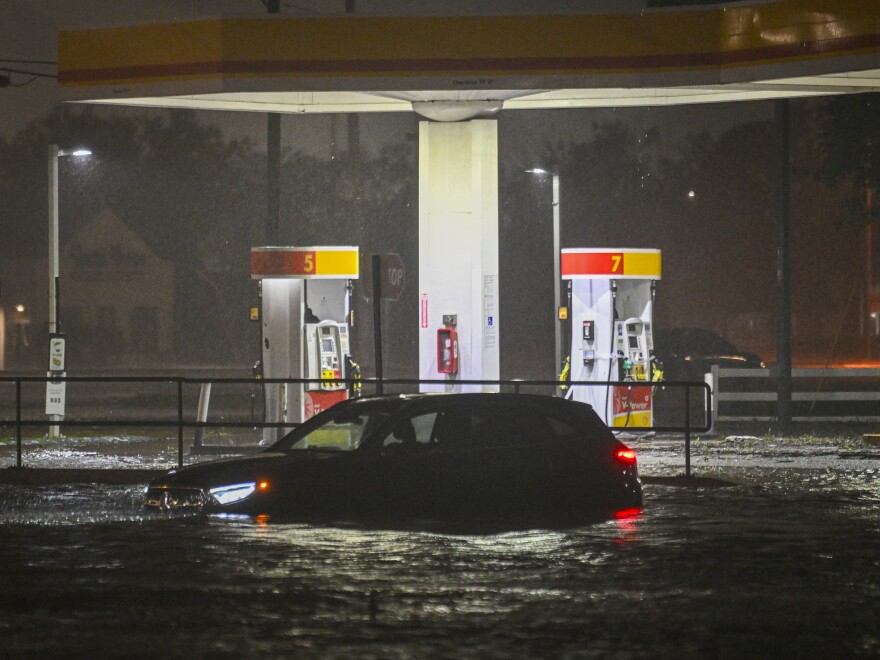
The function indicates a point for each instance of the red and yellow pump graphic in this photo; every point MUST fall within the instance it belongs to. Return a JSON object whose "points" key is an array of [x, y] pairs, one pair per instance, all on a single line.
{"points": [[587, 263], [305, 262]]}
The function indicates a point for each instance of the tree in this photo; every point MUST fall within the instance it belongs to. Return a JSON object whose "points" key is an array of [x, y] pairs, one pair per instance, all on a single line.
{"points": [[850, 144]]}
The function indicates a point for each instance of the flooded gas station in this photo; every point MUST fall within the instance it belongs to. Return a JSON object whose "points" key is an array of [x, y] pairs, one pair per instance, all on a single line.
{"points": [[751, 542]]}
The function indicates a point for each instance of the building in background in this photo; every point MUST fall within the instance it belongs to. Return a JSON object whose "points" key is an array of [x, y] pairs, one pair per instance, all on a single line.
{"points": [[117, 296]]}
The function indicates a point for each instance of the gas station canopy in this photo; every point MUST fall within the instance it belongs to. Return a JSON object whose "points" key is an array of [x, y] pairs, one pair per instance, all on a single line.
{"points": [[459, 67]]}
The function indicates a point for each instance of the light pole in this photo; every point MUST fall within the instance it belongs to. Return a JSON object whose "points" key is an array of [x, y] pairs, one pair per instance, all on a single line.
{"points": [[557, 276], [55, 391]]}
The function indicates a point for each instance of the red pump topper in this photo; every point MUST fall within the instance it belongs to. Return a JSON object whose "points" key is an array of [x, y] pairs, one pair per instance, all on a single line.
{"points": [[447, 350]]}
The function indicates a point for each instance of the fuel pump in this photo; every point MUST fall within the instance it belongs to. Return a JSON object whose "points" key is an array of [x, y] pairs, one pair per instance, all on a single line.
{"points": [[305, 328], [611, 312], [325, 351], [635, 347]]}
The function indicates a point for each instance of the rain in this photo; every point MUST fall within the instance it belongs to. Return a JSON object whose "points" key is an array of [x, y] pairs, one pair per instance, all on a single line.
{"points": [[767, 548]]}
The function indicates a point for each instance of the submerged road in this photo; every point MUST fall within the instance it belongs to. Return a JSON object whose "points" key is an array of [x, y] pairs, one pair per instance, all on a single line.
{"points": [[781, 564]]}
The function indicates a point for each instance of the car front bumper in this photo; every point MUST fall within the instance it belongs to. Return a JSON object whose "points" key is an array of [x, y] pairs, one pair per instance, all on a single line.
{"points": [[169, 498]]}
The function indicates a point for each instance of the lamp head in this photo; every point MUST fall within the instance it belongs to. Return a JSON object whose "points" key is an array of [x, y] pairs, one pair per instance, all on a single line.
{"points": [[79, 151]]}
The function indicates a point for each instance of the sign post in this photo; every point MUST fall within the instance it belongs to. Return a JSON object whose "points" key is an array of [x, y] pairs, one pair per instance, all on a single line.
{"points": [[56, 389], [391, 274], [376, 274], [384, 281]]}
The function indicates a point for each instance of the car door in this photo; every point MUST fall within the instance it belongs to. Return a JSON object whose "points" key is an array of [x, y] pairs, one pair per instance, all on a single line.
{"points": [[512, 445], [534, 460], [428, 465]]}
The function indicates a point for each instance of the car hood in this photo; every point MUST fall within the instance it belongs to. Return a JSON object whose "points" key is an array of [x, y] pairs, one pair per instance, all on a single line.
{"points": [[234, 470], [732, 359]]}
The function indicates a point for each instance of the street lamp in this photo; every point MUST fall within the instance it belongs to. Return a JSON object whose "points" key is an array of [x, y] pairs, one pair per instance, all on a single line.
{"points": [[55, 391], [557, 275]]}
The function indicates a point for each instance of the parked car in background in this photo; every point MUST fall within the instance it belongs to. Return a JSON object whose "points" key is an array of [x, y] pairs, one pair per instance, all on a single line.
{"points": [[422, 457], [689, 353]]}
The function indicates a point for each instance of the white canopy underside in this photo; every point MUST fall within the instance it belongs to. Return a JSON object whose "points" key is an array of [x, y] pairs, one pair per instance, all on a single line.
{"points": [[451, 104]]}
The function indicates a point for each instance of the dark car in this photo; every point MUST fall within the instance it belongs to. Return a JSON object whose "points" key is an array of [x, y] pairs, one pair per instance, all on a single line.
{"points": [[690, 353], [422, 457]]}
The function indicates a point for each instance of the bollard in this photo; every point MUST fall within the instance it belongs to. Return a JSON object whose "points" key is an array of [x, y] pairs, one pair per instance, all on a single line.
{"points": [[711, 379], [18, 423], [180, 423]]}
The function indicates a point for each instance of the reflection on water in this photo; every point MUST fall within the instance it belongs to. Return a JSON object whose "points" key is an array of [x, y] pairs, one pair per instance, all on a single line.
{"points": [[784, 564]]}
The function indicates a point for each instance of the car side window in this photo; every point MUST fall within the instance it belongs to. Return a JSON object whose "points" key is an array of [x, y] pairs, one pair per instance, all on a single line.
{"points": [[411, 433], [479, 428], [423, 425], [401, 435], [562, 430]]}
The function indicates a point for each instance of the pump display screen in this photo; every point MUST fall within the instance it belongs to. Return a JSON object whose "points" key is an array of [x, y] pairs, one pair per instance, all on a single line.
{"points": [[633, 341], [327, 345]]}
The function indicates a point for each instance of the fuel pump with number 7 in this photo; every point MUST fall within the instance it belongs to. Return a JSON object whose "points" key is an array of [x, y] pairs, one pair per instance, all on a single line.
{"points": [[612, 305]]}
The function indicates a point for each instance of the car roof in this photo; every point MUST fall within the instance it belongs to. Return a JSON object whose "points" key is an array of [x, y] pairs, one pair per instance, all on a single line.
{"points": [[453, 399], [690, 339]]}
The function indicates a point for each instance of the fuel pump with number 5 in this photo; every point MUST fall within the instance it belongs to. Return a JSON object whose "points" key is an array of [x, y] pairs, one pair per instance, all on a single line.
{"points": [[305, 321]]}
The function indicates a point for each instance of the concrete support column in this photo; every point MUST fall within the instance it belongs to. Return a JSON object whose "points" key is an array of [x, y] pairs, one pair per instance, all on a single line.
{"points": [[458, 248]]}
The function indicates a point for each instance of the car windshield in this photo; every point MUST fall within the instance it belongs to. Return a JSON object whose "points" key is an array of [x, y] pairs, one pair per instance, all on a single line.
{"points": [[344, 431]]}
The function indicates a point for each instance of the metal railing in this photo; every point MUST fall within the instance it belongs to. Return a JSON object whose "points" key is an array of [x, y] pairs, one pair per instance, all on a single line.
{"points": [[848, 395], [386, 386]]}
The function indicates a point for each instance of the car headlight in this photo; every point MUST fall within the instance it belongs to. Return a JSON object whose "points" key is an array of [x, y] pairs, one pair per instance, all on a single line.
{"points": [[233, 493]]}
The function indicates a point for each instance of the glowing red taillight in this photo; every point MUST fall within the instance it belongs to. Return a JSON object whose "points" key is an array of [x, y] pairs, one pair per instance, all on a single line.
{"points": [[623, 514], [625, 455]]}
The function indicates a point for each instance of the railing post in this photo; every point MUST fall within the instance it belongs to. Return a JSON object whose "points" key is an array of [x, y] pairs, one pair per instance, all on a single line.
{"points": [[18, 422], [202, 414], [711, 379], [179, 422], [687, 430]]}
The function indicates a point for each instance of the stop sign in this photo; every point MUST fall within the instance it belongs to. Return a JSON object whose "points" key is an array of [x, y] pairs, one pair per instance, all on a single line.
{"points": [[392, 276], [391, 272]]}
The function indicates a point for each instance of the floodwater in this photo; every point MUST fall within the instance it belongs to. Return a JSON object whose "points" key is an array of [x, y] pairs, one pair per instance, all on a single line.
{"points": [[785, 563]]}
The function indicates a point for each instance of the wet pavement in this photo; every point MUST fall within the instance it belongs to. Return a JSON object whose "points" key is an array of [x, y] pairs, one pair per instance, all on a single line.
{"points": [[783, 563]]}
